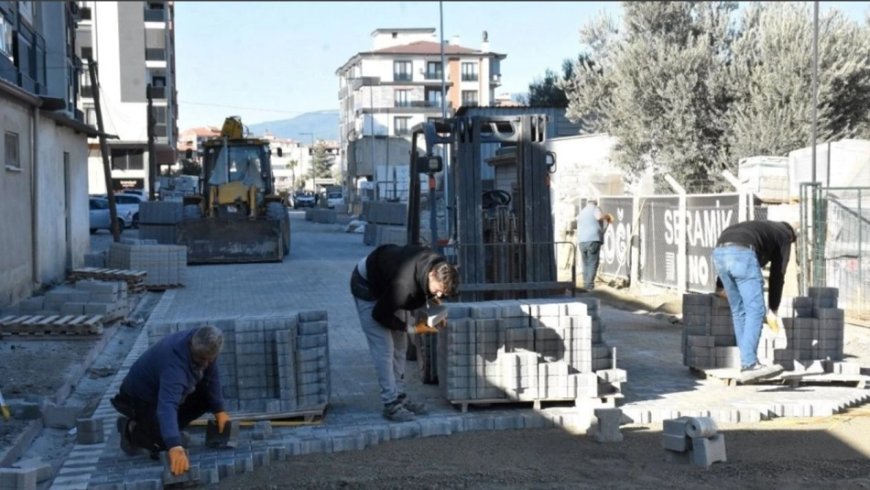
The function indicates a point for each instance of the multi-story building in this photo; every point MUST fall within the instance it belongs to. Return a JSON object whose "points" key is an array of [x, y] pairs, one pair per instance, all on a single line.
{"points": [[384, 92], [133, 44], [43, 175]]}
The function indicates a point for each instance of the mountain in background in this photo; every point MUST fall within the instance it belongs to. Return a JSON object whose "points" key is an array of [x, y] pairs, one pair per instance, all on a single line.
{"points": [[324, 125]]}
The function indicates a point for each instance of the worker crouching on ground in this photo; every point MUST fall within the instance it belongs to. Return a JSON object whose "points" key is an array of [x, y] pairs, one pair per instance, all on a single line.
{"points": [[394, 280], [741, 252], [172, 384]]}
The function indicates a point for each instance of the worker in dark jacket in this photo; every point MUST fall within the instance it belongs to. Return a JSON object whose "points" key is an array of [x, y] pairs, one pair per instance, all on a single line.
{"points": [[172, 384], [389, 281], [742, 250]]}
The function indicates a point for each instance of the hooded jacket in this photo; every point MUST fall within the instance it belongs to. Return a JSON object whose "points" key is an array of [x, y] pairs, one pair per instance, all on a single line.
{"points": [[397, 279]]}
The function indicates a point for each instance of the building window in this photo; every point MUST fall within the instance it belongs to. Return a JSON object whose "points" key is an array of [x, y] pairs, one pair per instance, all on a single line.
{"points": [[5, 38], [433, 70], [402, 71], [433, 97], [87, 52], [128, 159], [469, 72], [13, 156], [400, 125], [403, 98], [469, 98], [85, 13]]}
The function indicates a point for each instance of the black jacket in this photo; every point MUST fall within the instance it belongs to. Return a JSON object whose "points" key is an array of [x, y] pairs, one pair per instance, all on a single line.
{"points": [[398, 279], [771, 241]]}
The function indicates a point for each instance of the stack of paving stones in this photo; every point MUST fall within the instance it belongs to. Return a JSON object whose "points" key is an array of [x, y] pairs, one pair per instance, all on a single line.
{"points": [[525, 350], [708, 333], [25, 474], [96, 259], [815, 333], [81, 310], [385, 222], [694, 440], [269, 365], [321, 215], [166, 265], [135, 279], [158, 221]]}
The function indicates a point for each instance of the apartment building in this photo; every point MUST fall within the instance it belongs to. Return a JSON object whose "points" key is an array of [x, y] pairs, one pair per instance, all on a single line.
{"points": [[384, 92], [43, 176], [133, 44]]}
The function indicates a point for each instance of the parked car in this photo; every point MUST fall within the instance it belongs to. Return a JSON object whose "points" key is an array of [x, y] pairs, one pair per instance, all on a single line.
{"points": [[303, 200], [127, 203], [333, 199], [141, 193], [100, 218]]}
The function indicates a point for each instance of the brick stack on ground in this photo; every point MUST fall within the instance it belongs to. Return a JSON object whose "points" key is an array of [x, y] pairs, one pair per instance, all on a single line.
{"points": [[268, 364], [158, 221], [525, 350], [166, 265], [321, 215], [385, 222], [813, 331]]}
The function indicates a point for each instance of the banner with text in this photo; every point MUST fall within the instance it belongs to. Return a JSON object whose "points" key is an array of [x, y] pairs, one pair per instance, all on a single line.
{"points": [[616, 252], [706, 217], [658, 239]]}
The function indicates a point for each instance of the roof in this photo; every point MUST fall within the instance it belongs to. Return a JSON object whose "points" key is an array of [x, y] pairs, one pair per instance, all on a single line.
{"points": [[425, 30], [425, 47]]}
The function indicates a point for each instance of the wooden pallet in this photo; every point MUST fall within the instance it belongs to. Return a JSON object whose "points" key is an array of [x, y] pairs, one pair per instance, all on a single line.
{"points": [[162, 287], [791, 378], [135, 279], [39, 326]]}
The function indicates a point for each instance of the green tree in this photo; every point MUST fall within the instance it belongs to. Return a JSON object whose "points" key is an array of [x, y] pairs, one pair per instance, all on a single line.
{"points": [[548, 91], [322, 161]]}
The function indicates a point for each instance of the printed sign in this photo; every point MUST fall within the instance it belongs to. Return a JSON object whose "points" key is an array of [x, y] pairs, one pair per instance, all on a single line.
{"points": [[706, 217], [658, 239], [616, 252]]}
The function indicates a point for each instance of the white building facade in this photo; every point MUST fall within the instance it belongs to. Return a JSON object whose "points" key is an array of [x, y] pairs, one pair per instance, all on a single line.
{"points": [[385, 92], [133, 44]]}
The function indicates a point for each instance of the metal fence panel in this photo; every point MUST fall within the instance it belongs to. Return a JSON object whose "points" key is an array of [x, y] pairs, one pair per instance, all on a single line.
{"points": [[846, 214], [658, 239], [616, 254], [706, 217]]}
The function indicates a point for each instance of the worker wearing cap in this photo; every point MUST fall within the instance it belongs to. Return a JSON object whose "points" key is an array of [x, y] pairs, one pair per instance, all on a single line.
{"points": [[591, 224], [742, 250]]}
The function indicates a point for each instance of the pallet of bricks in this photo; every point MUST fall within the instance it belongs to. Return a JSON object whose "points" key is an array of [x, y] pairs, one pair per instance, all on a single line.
{"points": [[271, 367], [134, 279], [165, 265], [537, 350], [80, 311], [385, 222], [811, 341]]}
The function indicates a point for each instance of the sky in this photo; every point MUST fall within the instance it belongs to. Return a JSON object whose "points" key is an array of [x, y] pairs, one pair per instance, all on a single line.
{"points": [[268, 61]]}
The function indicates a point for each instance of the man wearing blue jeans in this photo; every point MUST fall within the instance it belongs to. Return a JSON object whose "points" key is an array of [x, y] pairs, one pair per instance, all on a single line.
{"points": [[591, 223], [390, 280], [741, 252]]}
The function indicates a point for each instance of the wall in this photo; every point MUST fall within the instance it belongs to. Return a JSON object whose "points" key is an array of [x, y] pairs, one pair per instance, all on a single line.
{"points": [[16, 260], [54, 140]]}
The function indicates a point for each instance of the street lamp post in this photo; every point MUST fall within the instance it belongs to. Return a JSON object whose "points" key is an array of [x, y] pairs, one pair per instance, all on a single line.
{"points": [[311, 162]]}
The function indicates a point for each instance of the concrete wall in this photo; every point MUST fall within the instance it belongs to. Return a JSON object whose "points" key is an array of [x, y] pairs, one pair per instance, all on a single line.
{"points": [[60, 247], [16, 260]]}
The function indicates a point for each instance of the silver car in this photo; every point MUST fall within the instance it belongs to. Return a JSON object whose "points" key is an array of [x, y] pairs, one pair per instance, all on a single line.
{"points": [[100, 217]]}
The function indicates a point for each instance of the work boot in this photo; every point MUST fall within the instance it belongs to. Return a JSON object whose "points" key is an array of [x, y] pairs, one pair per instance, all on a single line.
{"points": [[396, 412], [757, 371], [416, 407], [123, 424]]}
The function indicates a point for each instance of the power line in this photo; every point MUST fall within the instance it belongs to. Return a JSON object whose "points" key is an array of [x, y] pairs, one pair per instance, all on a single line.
{"points": [[239, 107]]}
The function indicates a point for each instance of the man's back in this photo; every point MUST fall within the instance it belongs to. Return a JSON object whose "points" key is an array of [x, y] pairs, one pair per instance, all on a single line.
{"points": [[588, 224]]}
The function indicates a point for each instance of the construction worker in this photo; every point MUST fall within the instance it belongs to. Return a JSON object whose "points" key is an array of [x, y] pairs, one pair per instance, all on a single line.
{"points": [[172, 384], [742, 250], [393, 280], [591, 224]]}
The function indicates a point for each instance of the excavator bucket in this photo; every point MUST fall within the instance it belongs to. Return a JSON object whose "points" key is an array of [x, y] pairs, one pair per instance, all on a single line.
{"points": [[222, 241]]}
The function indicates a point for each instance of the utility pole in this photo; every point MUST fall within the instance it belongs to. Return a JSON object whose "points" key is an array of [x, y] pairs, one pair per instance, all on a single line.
{"points": [[152, 164], [104, 151], [445, 152]]}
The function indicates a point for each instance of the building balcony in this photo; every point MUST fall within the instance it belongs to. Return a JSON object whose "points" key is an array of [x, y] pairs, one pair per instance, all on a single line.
{"points": [[495, 79], [470, 78], [155, 54], [402, 77], [155, 15], [158, 92], [432, 75]]}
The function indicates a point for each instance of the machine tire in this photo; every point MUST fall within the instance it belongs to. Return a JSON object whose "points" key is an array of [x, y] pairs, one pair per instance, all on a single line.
{"points": [[277, 212], [192, 211]]}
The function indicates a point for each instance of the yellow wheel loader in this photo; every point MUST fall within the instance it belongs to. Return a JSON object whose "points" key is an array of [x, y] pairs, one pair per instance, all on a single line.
{"points": [[236, 216]]}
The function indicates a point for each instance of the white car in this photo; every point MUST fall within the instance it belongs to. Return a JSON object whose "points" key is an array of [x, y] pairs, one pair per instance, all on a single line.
{"points": [[127, 203], [100, 218], [333, 199]]}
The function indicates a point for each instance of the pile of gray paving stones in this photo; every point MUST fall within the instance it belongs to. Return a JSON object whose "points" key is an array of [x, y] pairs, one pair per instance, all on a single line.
{"points": [[321, 215], [166, 265], [88, 297], [525, 350], [813, 332], [157, 220], [269, 365]]}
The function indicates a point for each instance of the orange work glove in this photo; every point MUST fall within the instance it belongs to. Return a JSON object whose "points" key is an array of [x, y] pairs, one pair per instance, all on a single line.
{"points": [[221, 418], [422, 327], [178, 462]]}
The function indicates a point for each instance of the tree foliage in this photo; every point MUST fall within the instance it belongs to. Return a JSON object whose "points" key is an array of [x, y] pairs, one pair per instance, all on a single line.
{"points": [[687, 90], [322, 161]]}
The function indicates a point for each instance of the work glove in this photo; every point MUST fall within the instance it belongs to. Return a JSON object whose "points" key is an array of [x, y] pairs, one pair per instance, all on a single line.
{"points": [[178, 462], [221, 418], [773, 321], [422, 328]]}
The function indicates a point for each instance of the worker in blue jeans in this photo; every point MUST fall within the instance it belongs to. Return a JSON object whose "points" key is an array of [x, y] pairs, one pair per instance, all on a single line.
{"points": [[591, 224], [742, 250]]}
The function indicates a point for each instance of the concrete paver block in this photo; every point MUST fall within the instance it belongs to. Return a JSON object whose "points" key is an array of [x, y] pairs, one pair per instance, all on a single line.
{"points": [[708, 450], [18, 478], [61, 417]]}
